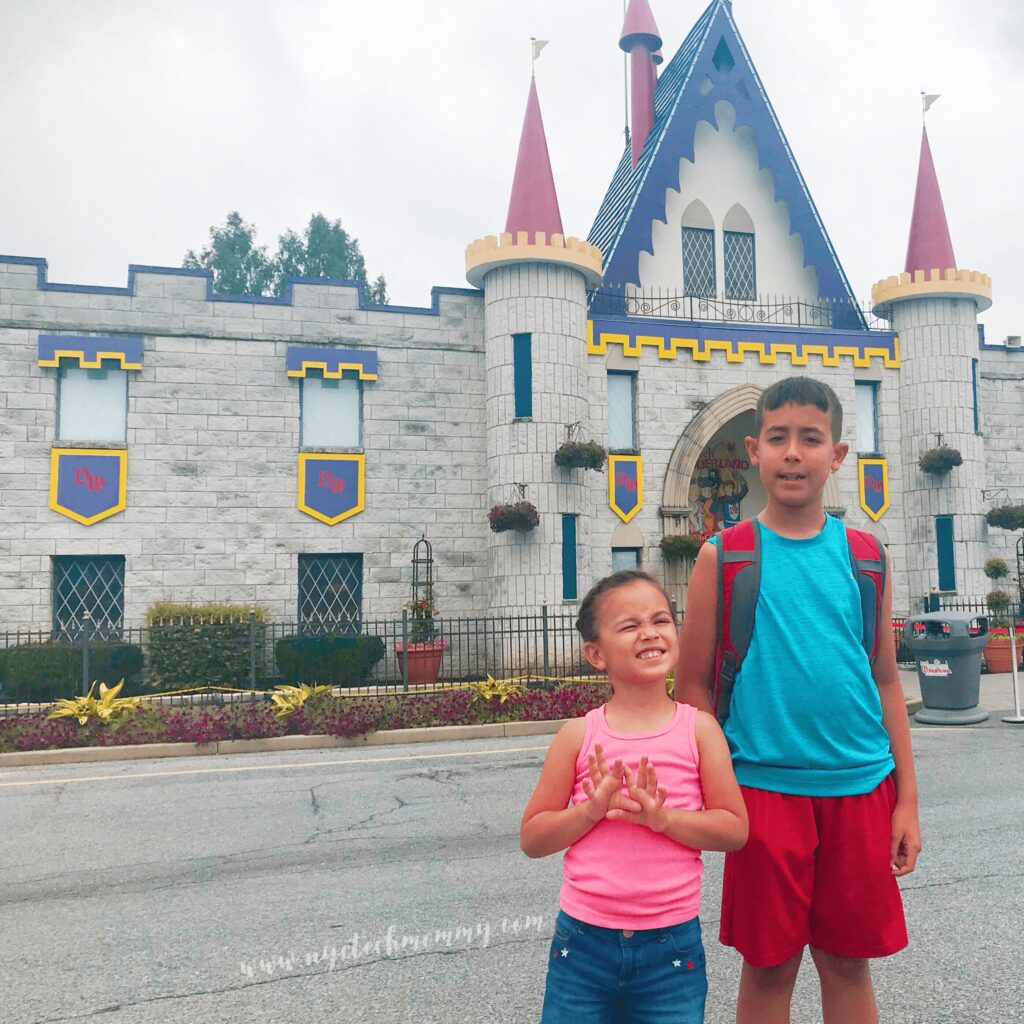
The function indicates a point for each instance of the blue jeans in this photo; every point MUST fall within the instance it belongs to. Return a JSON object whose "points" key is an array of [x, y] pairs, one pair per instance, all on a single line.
{"points": [[599, 976]]}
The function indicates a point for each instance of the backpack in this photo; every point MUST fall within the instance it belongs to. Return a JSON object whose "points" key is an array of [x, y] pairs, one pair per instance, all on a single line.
{"points": [[739, 582]]}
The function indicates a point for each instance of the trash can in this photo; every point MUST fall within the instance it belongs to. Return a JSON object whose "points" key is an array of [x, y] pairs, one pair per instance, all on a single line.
{"points": [[947, 648]]}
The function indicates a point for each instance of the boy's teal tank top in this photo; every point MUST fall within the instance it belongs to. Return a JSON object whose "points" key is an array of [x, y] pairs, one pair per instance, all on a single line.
{"points": [[806, 717]]}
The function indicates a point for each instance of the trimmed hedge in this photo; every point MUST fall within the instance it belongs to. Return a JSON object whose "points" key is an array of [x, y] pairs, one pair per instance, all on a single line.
{"points": [[331, 660], [52, 670], [204, 653]]}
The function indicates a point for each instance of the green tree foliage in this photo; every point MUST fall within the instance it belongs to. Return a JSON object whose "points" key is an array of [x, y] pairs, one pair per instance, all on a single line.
{"points": [[239, 266], [324, 249]]}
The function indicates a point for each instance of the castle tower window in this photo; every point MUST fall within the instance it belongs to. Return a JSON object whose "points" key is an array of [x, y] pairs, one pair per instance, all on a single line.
{"points": [[625, 558], [621, 411], [867, 417], [522, 375], [699, 262], [944, 552], [92, 404], [331, 411], [570, 585], [738, 255]]}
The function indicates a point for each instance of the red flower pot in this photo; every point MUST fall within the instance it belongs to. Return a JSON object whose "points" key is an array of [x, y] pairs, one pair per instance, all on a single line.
{"points": [[424, 660], [998, 657]]}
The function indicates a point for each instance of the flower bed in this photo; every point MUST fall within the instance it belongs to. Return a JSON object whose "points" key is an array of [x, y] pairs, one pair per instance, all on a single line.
{"points": [[335, 716]]}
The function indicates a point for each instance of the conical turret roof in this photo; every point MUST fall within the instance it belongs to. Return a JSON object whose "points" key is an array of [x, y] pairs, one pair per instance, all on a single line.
{"points": [[929, 246], [533, 205]]}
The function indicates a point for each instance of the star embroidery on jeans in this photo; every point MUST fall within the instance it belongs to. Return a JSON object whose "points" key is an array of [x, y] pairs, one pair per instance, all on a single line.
{"points": [[677, 963], [565, 952]]}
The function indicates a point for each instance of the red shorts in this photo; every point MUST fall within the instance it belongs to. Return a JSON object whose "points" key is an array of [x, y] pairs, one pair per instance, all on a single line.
{"points": [[815, 871]]}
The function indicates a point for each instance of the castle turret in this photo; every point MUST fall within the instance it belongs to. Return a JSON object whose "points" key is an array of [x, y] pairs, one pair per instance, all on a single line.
{"points": [[641, 40], [535, 285], [933, 306]]}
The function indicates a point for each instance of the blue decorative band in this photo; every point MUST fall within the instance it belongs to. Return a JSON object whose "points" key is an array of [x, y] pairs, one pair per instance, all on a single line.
{"points": [[333, 362], [91, 352], [763, 344]]}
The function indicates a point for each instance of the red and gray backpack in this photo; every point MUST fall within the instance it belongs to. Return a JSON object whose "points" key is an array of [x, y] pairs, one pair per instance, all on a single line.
{"points": [[739, 582]]}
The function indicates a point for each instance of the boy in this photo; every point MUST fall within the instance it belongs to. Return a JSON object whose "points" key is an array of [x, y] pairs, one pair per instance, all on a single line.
{"points": [[819, 737]]}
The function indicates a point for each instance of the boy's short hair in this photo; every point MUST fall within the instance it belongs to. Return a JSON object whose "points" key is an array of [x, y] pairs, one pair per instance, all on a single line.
{"points": [[587, 620], [801, 391]]}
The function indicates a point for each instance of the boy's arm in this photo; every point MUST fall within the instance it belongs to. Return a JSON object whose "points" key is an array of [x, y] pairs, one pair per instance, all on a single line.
{"points": [[906, 829], [722, 825], [548, 824], [695, 673]]}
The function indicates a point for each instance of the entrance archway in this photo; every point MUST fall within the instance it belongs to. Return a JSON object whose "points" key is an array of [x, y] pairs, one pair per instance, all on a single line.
{"points": [[709, 483]]}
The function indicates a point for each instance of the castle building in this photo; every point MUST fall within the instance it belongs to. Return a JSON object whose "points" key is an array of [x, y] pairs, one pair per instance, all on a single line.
{"points": [[164, 441]]}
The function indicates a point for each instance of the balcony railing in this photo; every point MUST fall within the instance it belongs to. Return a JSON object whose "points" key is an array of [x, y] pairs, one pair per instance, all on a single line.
{"points": [[764, 310]]}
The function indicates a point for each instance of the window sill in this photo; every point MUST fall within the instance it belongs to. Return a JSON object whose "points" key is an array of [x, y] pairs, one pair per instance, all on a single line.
{"points": [[329, 450], [111, 445], [522, 419]]}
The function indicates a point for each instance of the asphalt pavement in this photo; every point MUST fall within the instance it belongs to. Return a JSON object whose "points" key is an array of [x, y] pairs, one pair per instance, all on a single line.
{"points": [[386, 885]]}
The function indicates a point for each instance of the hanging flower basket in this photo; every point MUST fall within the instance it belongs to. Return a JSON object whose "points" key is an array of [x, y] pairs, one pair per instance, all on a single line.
{"points": [[581, 455], [1007, 517], [520, 516], [939, 461], [682, 548]]}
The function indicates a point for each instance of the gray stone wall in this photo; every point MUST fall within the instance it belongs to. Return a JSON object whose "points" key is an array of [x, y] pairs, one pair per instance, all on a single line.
{"points": [[1001, 400], [213, 444]]}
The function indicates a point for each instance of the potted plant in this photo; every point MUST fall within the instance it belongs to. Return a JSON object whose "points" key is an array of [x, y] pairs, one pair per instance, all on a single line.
{"points": [[998, 655], [939, 461], [581, 455], [520, 516], [680, 548], [426, 648], [1007, 517]]}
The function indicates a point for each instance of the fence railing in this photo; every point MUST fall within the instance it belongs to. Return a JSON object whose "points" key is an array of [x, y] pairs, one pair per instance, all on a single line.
{"points": [[385, 656], [954, 602]]}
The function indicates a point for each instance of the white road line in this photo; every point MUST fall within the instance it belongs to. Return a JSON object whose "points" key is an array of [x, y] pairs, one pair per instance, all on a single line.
{"points": [[266, 767]]}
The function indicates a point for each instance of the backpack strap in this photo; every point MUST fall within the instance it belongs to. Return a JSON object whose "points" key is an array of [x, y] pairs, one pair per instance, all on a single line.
{"points": [[739, 582], [867, 562]]}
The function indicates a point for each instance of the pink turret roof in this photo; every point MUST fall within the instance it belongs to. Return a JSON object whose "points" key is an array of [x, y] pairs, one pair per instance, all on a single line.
{"points": [[639, 27], [929, 245], [533, 205]]}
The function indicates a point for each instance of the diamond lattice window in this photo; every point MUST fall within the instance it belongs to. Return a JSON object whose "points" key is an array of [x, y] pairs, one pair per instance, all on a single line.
{"points": [[699, 262], [91, 585], [738, 255], [330, 593]]}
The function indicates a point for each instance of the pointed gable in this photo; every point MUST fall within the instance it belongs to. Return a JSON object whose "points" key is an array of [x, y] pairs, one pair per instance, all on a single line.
{"points": [[712, 65]]}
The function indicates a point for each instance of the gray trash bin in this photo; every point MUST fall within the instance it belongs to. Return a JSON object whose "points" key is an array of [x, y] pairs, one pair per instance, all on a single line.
{"points": [[947, 648]]}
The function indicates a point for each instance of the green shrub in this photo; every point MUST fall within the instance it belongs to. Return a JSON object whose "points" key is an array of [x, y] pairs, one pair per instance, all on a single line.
{"points": [[680, 547], [330, 660], [1007, 517], [204, 654], [52, 670]]}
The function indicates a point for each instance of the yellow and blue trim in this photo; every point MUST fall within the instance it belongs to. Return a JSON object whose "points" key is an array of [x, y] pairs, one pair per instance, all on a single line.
{"points": [[77, 498], [873, 484], [91, 352], [332, 488], [625, 485], [738, 344], [331, 362]]}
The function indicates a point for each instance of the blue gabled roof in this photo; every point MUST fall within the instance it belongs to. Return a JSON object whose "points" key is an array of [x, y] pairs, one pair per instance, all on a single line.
{"points": [[636, 196]]}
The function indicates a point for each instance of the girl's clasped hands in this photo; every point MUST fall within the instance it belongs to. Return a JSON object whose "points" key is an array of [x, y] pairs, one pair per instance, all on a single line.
{"points": [[641, 801]]}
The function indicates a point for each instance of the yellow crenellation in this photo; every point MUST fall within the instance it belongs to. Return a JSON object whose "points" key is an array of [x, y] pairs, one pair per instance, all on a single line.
{"points": [[935, 282], [496, 250]]}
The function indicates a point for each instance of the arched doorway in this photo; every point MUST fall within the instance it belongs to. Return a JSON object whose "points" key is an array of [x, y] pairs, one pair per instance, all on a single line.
{"points": [[710, 483]]}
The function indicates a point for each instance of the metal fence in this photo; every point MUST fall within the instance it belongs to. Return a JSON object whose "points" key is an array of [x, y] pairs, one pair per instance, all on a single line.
{"points": [[954, 602], [384, 656]]}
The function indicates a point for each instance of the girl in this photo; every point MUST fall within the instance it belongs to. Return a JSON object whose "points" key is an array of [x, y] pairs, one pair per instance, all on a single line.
{"points": [[648, 784]]}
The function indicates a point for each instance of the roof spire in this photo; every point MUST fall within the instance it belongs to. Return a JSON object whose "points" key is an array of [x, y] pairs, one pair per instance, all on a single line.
{"points": [[640, 39], [929, 246], [533, 205]]}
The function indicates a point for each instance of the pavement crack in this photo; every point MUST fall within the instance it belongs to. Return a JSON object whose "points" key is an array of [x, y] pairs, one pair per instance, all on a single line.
{"points": [[1002, 875]]}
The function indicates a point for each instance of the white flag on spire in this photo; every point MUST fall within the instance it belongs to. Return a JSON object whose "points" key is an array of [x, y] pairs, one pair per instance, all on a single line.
{"points": [[927, 99], [538, 45]]}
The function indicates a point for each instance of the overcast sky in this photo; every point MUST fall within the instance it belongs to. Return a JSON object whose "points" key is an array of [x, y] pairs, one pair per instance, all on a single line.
{"points": [[128, 128]]}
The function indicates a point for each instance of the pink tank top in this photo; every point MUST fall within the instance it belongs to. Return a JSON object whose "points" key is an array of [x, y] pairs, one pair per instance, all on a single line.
{"points": [[621, 875]]}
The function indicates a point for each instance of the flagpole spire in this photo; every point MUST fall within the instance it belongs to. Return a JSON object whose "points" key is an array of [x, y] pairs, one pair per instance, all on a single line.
{"points": [[927, 99], [536, 45]]}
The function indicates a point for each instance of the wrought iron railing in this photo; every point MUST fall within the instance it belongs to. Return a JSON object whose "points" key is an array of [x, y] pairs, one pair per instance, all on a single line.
{"points": [[764, 310]]}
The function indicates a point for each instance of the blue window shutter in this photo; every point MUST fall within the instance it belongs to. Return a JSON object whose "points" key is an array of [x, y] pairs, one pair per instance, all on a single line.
{"points": [[522, 371], [569, 584], [944, 547], [974, 395]]}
